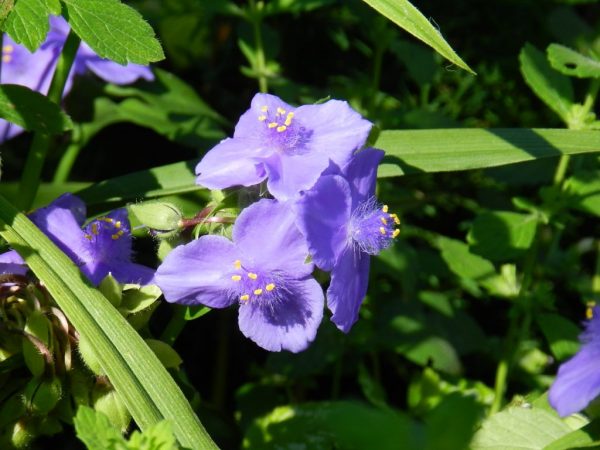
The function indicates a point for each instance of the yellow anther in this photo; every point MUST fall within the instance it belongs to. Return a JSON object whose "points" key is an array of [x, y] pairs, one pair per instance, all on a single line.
{"points": [[395, 233], [269, 287], [589, 311], [273, 124], [265, 108], [383, 221], [8, 48], [88, 237], [288, 119], [257, 291], [95, 228], [382, 230], [385, 208], [281, 128], [6, 58], [280, 111], [252, 276], [244, 297], [236, 277], [262, 117], [237, 264], [117, 235], [117, 224], [396, 219], [106, 219]]}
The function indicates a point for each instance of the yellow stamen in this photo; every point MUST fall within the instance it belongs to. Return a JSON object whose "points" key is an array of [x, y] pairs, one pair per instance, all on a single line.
{"points": [[281, 128], [288, 119], [117, 235], [8, 48], [252, 276], [385, 208], [236, 277], [395, 217], [273, 125], [257, 291], [118, 224], [6, 58], [264, 108], [269, 287], [244, 297], [382, 230], [95, 228], [237, 264], [383, 221], [262, 118], [395, 233], [280, 111], [589, 311], [88, 237]]}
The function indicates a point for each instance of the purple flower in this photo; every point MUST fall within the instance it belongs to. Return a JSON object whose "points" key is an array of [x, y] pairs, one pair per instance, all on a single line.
{"points": [[289, 146], [103, 246], [12, 263], [578, 379], [34, 70], [344, 224], [263, 269]]}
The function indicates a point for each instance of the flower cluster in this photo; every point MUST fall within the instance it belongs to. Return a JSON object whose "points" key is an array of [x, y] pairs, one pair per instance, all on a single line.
{"points": [[101, 247], [34, 70], [324, 211]]}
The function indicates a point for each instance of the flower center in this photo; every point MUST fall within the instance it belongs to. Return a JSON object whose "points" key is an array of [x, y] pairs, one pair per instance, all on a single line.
{"points": [[372, 228], [252, 285], [103, 227], [284, 132]]}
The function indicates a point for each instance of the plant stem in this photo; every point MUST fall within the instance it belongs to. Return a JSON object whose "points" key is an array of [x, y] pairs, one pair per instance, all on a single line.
{"points": [[30, 179], [175, 325], [260, 66], [68, 158]]}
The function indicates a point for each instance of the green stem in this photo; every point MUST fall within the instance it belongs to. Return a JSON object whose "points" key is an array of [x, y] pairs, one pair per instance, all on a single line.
{"points": [[30, 179], [66, 162], [175, 325], [260, 65]]}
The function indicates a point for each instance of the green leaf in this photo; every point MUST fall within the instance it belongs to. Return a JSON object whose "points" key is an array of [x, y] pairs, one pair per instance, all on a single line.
{"points": [[553, 88], [136, 298], [406, 16], [560, 333], [28, 23], [147, 389], [464, 263], [6, 6], [502, 235], [157, 437], [585, 437], [95, 430], [114, 31], [584, 187], [416, 151], [32, 110], [572, 63], [195, 312], [165, 353], [520, 428]]}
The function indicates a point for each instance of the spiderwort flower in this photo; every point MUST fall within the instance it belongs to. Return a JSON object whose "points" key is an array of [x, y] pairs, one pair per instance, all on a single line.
{"points": [[578, 379], [344, 224], [263, 269], [103, 246], [34, 70], [289, 146], [12, 263]]}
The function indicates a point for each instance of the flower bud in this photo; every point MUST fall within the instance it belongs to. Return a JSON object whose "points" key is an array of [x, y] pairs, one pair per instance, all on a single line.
{"points": [[39, 331], [89, 356], [161, 216], [112, 406], [41, 395]]}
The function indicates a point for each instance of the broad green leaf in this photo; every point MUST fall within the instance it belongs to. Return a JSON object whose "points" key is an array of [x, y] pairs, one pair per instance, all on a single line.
{"points": [[560, 333], [520, 428], [32, 110], [145, 386], [464, 263], [328, 425], [502, 235], [114, 31], [409, 18], [416, 151], [95, 430], [28, 23], [585, 437], [572, 63], [195, 312], [6, 6], [552, 87], [584, 187], [157, 437]]}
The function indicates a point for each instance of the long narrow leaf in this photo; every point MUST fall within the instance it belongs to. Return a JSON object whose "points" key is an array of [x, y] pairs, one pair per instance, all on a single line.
{"points": [[148, 390]]}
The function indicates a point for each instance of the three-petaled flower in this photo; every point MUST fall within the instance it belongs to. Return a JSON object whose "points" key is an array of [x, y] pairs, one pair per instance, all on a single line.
{"points": [[289, 146], [263, 269], [34, 70], [344, 224], [103, 246], [578, 380]]}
